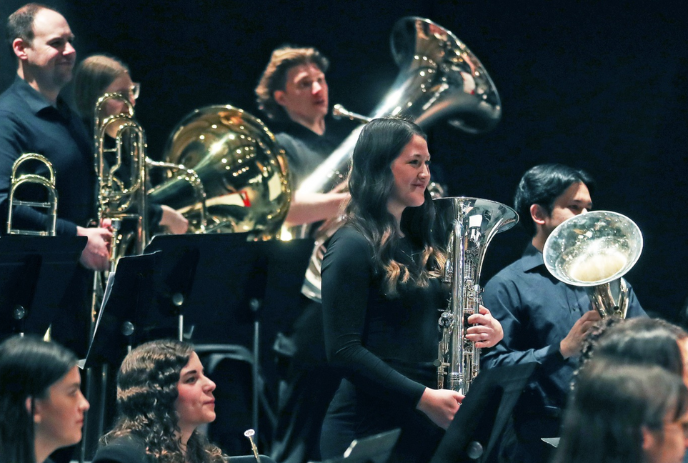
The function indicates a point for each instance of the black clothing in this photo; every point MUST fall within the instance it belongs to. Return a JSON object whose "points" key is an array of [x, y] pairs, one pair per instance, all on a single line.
{"points": [[305, 149], [309, 384], [384, 347], [127, 449], [537, 311], [30, 124]]}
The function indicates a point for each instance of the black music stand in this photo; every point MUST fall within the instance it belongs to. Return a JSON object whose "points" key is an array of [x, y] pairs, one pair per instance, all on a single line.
{"points": [[372, 449], [483, 414], [122, 321], [221, 285], [34, 274]]}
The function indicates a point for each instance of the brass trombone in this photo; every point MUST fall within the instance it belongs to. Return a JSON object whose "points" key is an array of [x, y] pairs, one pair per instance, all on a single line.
{"points": [[48, 182], [123, 185]]}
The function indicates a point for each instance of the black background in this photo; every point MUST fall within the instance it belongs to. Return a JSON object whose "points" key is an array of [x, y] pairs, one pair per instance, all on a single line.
{"points": [[597, 85]]}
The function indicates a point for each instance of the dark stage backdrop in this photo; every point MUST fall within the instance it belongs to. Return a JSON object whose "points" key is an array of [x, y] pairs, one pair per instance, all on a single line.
{"points": [[600, 85]]}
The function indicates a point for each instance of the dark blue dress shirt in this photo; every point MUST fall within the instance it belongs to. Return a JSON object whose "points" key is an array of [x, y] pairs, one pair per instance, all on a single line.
{"points": [[537, 311], [30, 124]]}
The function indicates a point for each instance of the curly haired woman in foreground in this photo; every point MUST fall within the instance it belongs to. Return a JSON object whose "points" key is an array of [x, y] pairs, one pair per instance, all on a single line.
{"points": [[162, 397]]}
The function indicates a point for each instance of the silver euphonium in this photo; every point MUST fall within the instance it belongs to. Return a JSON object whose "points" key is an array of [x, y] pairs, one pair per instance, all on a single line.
{"points": [[595, 250], [439, 77], [469, 224]]}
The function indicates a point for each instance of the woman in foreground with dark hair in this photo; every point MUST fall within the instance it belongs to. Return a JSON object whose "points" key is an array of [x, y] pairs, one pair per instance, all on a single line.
{"points": [[625, 414], [162, 397], [381, 292], [41, 405]]}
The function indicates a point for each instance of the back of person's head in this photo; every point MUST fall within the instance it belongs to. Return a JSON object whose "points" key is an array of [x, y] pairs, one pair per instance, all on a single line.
{"points": [[639, 341], [28, 367], [275, 75], [93, 75], [612, 409], [542, 185], [20, 23]]}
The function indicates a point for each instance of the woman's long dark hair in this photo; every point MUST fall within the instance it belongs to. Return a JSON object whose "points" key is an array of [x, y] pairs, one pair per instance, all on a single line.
{"points": [[28, 367], [611, 406], [146, 395], [371, 183]]}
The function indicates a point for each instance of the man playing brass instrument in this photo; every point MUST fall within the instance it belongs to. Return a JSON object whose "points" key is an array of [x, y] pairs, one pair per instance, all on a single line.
{"points": [[33, 118], [293, 93], [544, 320]]}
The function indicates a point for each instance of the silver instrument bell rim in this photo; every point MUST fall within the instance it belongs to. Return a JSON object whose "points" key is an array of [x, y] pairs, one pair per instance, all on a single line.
{"points": [[554, 239]]}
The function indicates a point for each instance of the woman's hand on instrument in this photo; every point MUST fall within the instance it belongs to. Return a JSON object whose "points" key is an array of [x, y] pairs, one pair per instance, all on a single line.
{"points": [[487, 331], [173, 221], [96, 254], [440, 405]]}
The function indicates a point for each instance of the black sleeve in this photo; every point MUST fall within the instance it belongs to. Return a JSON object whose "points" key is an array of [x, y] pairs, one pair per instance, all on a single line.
{"points": [[346, 281], [122, 450]]}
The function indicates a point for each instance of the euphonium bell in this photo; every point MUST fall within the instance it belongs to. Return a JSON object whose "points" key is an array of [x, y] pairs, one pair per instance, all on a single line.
{"points": [[595, 250]]}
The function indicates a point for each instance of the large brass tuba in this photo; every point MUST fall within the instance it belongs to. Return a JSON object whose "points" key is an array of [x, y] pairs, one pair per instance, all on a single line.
{"points": [[595, 250], [19, 181], [467, 225], [439, 77], [243, 170]]}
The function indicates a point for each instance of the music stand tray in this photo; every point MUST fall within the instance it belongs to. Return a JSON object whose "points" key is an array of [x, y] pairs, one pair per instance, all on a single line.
{"points": [[483, 414]]}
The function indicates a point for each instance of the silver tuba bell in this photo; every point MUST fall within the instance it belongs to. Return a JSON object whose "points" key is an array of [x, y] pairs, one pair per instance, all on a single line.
{"points": [[595, 250], [439, 78], [467, 225]]}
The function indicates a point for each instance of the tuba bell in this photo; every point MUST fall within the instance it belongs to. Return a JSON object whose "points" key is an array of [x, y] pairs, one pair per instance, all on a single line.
{"points": [[595, 250], [242, 168], [439, 78], [19, 181], [467, 225]]}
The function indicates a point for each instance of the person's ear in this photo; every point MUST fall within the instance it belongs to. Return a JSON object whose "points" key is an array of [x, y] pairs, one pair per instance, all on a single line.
{"points": [[36, 407], [19, 46], [279, 97], [650, 440], [538, 214]]}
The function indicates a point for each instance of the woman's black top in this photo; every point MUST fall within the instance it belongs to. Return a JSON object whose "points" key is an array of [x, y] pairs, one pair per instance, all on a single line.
{"points": [[384, 346], [126, 449]]}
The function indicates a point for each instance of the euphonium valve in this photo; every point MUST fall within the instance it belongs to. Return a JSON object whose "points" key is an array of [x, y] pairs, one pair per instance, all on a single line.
{"points": [[595, 250], [467, 225]]}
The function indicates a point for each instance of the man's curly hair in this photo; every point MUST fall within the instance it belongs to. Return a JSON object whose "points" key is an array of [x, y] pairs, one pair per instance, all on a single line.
{"points": [[275, 76], [146, 396]]}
